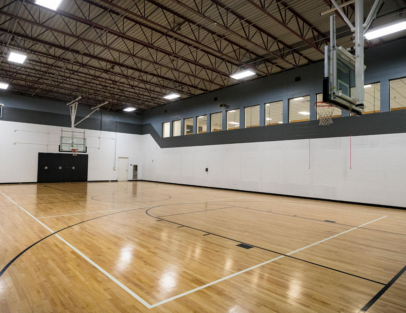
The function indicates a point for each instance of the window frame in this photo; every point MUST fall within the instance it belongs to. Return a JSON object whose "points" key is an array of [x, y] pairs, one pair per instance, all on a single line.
{"points": [[184, 126], [239, 122], [197, 124], [298, 121], [259, 115], [390, 99], [221, 122], [270, 104], [163, 129], [173, 128]]}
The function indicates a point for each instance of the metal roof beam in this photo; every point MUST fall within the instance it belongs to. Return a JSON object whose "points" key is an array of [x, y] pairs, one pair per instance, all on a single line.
{"points": [[288, 17], [129, 38]]}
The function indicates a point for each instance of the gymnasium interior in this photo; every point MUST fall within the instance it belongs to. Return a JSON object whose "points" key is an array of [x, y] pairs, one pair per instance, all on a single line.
{"points": [[208, 156]]}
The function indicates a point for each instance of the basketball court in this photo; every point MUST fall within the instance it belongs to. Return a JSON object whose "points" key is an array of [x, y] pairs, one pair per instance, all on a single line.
{"points": [[202, 156], [140, 247]]}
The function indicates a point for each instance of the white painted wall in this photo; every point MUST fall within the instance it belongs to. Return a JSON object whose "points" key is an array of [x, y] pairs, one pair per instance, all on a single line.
{"points": [[21, 142], [377, 176]]}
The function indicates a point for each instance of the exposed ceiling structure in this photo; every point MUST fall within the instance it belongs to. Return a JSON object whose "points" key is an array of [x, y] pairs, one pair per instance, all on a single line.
{"points": [[134, 52]]}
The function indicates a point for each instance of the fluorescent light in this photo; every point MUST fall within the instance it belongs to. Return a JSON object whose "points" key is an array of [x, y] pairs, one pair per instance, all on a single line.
{"points": [[304, 113], [268, 119], [50, 4], [172, 96], [280, 122], [232, 111], [385, 31], [367, 86], [299, 98], [268, 104], [234, 123], [129, 109], [17, 57], [242, 74], [3, 85], [201, 116]]}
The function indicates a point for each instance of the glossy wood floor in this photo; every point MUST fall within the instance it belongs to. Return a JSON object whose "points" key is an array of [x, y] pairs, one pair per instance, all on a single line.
{"points": [[146, 247]]}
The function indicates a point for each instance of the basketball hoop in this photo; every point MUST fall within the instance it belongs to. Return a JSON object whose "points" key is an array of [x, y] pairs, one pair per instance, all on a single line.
{"points": [[75, 152], [325, 113]]}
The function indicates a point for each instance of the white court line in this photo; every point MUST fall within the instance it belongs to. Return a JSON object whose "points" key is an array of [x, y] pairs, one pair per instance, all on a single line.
{"points": [[256, 266], [85, 257], [129, 209], [146, 304], [133, 294]]}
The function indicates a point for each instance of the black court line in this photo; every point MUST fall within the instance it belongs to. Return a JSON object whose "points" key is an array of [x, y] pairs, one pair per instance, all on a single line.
{"points": [[206, 234], [382, 291], [265, 249], [227, 207], [323, 221]]}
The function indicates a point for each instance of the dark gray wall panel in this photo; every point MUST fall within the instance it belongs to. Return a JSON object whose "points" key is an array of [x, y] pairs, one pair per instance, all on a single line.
{"points": [[383, 63], [370, 124]]}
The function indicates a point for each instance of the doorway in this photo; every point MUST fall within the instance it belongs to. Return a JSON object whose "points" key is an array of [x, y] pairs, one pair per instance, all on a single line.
{"points": [[122, 169]]}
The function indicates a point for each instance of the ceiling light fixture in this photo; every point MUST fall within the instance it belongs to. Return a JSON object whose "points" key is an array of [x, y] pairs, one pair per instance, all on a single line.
{"points": [[4, 85], [304, 113], [17, 57], [172, 96], [242, 74], [268, 119], [129, 109], [280, 122], [234, 123], [49, 4], [201, 116], [299, 98], [367, 86], [372, 34], [232, 111]]}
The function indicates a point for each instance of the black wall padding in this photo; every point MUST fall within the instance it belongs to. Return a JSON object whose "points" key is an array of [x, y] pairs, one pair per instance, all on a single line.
{"points": [[62, 167]]}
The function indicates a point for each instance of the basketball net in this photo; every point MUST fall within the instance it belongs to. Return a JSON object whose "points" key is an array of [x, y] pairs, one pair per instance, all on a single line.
{"points": [[325, 113], [75, 152]]}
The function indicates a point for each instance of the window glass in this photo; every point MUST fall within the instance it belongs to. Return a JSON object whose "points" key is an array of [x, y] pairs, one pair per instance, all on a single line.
{"points": [[166, 129], [233, 119], [398, 94], [299, 109], [216, 122], [372, 98], [202, 124], [273, 113], [252, 116], [189, 126], [176, 127], [336, 111]]}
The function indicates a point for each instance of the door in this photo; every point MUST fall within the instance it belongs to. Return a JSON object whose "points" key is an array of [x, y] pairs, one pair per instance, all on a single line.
{"points": [[122, 169], [135, 172]]}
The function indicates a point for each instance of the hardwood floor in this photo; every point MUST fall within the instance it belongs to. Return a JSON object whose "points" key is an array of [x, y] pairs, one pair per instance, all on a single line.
{"points": [[147, 247]]}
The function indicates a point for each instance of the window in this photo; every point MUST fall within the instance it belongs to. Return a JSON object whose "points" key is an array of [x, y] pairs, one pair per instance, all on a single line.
{"points": [[233, 119], [372, 98], [189, 126], [252, 116], [299, 109], [216, 122], [336, 111], [176, 127], [398, 94], [202, 124], [166, 130], [273, 113]]}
